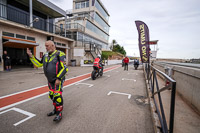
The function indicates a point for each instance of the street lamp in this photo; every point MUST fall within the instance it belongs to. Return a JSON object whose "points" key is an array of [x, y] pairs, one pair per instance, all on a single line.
{"points": [[35, 20]]}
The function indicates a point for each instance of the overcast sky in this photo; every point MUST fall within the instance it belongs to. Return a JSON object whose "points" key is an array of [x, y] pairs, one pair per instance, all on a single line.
{"points": [[175, 23]]}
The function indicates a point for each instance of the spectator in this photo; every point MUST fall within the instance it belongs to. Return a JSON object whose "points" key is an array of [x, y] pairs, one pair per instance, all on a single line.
{"points": [[126, 61], [7, 61]]}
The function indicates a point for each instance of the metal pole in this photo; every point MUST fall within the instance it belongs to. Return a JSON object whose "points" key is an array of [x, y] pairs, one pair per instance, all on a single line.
{"points": [[31, 13], [65, 24], [47, 23], [172, 108]]}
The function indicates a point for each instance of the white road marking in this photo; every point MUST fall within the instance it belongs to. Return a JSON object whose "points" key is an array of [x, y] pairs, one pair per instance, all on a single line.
{"points": [[23, 101], [129, 79], [129, 95], [90, 85], [106, 75], [133, 73], [30, 115]]}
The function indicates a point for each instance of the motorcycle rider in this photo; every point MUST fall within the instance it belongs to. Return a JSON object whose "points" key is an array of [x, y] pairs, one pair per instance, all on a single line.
{"points": [[136, 62], [54, 66], [99, 61]]}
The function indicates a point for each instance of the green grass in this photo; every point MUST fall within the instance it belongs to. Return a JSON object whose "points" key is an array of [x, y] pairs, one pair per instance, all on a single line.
{"points": [[107, 54]]}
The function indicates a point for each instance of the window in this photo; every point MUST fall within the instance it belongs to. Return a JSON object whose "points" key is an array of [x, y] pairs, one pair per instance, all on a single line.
{"points": [[87, 3], [96, 30], [20, 36], [78, 5], [101, 10], [8, 34], [31, 38], [63, 44], [83, 4], [61, 26], [99, 20]]}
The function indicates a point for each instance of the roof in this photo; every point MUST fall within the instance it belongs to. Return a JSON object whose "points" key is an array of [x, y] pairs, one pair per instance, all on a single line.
{"points": [[46, 7]]}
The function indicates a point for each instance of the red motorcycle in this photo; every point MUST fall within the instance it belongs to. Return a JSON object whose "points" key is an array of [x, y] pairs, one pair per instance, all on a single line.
{"points": [[97, 69]]}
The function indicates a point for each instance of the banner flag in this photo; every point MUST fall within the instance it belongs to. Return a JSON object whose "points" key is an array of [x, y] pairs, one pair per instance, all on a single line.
{"points": [[143, 39]]}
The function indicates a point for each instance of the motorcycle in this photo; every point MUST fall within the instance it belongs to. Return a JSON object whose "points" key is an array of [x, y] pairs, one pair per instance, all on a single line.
{"points": [[97, 70]]}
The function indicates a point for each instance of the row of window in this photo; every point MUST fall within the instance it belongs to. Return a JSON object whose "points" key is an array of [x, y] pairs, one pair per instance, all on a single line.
{"points": [[83, 4], [60, 44], [101, 10], [86, 38], [96, 30], [18, 36], [99, 20]]}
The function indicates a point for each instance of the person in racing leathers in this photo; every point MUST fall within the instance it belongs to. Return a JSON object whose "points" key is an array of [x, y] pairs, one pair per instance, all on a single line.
{"points": [[54, 67]]}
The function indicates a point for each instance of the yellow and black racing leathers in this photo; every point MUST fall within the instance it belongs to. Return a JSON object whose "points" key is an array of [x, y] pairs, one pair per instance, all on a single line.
{"points": [[54, 68]]}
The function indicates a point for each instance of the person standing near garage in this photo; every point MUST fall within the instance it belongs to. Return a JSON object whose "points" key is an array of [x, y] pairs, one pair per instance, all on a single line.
{"points": [[7, 60], [55, 68]]}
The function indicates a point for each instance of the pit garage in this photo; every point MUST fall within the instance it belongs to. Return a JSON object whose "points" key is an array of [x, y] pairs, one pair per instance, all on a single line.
{"points": [[16, 49]]}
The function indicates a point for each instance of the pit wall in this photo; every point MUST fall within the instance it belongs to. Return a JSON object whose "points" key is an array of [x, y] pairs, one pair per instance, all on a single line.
{"points": [[187, 82]]}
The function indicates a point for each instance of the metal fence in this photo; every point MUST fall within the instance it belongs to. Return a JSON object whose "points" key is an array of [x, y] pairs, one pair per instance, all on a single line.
{"points": [[14, 14], [75, 26], [152, 73]]}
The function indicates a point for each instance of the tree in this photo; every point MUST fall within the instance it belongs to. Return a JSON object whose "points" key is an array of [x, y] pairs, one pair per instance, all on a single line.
{"points": [[119, 49], [113, 43]]}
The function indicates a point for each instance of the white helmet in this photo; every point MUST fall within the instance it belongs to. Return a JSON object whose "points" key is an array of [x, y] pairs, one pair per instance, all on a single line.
{"points": [[99, 55]]}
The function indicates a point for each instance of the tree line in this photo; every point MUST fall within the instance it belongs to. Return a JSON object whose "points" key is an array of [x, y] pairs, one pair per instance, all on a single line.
{"points": [[115, 47]]}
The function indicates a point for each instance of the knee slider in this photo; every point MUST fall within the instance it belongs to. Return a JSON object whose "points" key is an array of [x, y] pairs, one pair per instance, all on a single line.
{"points": [[50, 94], [58, 98]]}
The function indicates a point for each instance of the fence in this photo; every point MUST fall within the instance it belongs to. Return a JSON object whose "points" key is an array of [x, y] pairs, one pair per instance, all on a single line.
{"points": [[151, 76], [8, 12]]}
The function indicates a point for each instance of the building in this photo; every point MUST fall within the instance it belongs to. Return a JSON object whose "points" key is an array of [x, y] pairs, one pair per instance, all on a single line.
{"points": [[28, 24], [88, 21]]}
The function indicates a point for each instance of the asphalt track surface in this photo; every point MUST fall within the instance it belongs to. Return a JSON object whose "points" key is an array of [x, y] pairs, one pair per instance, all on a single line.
{"points": [[113, 103]]}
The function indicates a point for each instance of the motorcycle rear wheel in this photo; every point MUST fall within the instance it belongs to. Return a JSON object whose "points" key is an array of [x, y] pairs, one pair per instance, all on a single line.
{"points": [[93, 75]]}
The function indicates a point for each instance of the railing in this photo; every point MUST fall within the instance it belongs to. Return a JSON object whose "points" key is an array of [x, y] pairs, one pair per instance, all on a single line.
{"points": [[151, 73], [75, 26], [13, 14], [82, 16], [93, 48]]}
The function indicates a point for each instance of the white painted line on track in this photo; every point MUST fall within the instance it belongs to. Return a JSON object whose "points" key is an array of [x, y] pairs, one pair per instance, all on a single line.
{"points": [[129, 79], [38, 87], [30, 115], [14, 104], [107, 76], [22, 91], [129, 95], [90, 85], [133, 73], [23, 101]]}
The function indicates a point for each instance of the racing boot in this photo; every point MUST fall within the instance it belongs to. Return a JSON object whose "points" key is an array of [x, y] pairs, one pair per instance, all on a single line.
{"points": [[52, 113], [58, 116], [58, 113]]}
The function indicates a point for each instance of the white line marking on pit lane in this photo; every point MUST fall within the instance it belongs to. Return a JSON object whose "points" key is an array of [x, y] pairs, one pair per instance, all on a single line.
{"points": [[23, 101], [129, 79], [129, 95], [133, 73], [106, 75], [90, 85], [30, 115]]}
